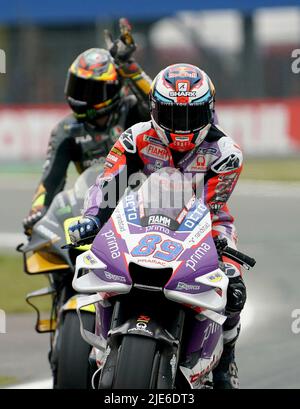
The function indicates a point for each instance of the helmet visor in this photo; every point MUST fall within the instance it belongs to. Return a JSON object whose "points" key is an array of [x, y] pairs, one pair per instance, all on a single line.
{"points": [[181, 117], [91, 91]]}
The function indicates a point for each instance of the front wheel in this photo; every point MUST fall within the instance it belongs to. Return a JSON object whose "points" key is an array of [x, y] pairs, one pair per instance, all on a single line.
{"points": [[73, 369], [137, 364]]}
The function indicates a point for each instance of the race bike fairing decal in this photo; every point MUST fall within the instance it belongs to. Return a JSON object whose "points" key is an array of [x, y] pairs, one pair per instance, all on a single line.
{"points": [[152, 244]]}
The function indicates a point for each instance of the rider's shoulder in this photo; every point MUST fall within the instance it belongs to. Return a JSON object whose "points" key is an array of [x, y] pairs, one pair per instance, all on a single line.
{"points": [[224, 141], [68, 126], [131, 136]]}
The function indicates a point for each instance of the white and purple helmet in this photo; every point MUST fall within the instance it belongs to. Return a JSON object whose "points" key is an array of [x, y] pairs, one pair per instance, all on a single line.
{"points": [[182, 106]]}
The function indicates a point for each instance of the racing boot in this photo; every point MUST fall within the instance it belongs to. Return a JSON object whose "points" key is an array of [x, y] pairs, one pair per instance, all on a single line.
{"points": [[225, 375]]}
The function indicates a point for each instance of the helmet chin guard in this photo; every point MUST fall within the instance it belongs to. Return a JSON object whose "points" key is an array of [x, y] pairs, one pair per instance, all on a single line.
{"points": [[181, 142]]}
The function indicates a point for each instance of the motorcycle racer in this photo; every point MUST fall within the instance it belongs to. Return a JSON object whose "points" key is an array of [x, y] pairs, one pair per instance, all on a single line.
{"points": [[96, 92], [181, 134]]}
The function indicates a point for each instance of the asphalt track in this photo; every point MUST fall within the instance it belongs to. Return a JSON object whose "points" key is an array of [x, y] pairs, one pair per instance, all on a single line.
{"points": [[268, 353]]}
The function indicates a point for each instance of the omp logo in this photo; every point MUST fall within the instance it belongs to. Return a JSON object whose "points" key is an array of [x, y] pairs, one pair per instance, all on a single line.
{"points": [[2, 322], [2, 62]]}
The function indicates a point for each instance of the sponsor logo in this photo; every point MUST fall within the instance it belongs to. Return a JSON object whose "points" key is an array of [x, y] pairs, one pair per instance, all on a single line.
{"points": [[114, 277], [201, 252], [165, 221], [126, 139], [181, 216], [143, 318], [120, 221], [83, 139], [197, 215], [181, 138], [195, 379], [116, 151], [148, 138], [183, 74], [207, 151], [182, 93], [187, 287], [202, 229], [215, 278], [198, 164], [112, 244], [156, 152], [141, 327], [160, 229], [112, 158], [211, 329], [230, 163], [130, 206], [89, 259]]}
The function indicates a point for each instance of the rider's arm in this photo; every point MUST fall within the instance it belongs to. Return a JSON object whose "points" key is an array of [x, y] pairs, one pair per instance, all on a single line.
{"points": [[139, 83], [53, 177], [129, 70], [122, 162], [223, 174]]}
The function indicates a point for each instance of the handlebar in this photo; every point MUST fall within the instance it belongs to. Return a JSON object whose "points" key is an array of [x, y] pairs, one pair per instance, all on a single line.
{"points": [[239, 257]]}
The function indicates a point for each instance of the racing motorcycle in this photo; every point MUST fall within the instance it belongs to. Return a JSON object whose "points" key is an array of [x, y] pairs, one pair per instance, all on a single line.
{"points": [[155, 277], [43, 254]]}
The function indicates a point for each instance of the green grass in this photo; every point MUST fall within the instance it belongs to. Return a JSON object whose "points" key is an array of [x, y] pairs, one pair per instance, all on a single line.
{"points": [[15, 284], [7, 380], [287, 170]]}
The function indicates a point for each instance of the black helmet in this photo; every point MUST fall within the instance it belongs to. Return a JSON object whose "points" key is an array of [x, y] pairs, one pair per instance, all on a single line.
{"points": [[93, 86]]}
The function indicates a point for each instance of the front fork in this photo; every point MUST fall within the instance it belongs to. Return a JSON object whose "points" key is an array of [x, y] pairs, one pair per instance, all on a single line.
{"points": [[168, 338]]}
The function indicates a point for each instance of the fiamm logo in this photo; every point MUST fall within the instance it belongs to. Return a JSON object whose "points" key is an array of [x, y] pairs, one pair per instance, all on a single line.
{"points": [[2, 62], [2, 322]]}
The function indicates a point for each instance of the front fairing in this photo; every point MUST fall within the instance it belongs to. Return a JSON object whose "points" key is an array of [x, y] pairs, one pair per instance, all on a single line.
{"points": [[50, 233]]}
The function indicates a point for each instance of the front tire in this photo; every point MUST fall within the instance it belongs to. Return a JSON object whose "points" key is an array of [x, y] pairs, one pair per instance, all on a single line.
{"points": [[137, 364], [73, 370]]}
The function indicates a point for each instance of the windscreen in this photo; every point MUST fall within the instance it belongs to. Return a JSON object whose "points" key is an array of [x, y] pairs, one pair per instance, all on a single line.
{"points": [[165, 193]]}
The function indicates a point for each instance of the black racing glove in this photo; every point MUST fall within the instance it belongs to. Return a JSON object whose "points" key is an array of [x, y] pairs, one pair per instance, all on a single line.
{"points": [[122, 48], [84, 230]]}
